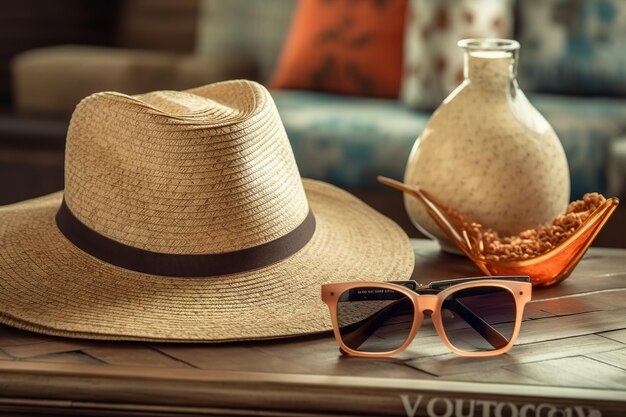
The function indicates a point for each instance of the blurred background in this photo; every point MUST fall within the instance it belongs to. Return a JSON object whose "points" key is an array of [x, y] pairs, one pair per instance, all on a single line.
{"points": [[355, 81]]}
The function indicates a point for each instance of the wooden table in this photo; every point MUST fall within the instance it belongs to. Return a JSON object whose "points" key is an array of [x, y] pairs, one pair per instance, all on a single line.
{"points": [[570, 357]]}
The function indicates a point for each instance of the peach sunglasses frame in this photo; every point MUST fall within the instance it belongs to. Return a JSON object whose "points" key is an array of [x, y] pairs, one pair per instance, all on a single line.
{"points": [[521, 292]]}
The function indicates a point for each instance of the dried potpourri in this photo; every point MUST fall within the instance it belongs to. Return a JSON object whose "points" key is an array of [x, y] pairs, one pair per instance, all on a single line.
{"points": [[533, 242]]}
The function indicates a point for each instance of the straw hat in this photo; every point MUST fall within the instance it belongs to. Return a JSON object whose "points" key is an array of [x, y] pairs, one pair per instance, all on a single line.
{"points": [[184, 218]]}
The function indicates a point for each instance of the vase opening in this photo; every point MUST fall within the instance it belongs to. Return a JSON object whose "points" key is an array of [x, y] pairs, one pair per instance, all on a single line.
{"points": [[492, 63], [488, 44]]}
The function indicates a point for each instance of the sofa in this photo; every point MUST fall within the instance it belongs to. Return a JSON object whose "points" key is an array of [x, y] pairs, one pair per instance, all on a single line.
{"points": [[345, 140]]}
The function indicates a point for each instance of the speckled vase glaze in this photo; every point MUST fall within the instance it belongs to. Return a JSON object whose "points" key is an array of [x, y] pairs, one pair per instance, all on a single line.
{"points": [[487, 152]]}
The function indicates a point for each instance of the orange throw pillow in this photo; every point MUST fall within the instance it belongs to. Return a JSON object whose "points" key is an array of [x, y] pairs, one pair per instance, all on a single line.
{"points": [[344, 46]]}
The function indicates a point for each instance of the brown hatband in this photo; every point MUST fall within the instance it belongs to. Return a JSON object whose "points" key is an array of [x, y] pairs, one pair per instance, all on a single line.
{"points": [[181, 265]]}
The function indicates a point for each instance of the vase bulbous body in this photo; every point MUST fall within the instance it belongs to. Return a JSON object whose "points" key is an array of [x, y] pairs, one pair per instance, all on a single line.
{"points": [[487, 152]]}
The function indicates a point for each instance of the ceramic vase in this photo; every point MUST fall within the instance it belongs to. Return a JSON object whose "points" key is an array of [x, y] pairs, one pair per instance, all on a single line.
{"points": [[487, 152]]}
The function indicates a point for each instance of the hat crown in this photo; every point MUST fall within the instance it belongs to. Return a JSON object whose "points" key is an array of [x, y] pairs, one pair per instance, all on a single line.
{"points": [[209, 170]]}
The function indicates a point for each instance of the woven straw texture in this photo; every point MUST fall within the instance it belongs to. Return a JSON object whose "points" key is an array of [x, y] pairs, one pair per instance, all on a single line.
{"points": [[208, 170], [184, 173]]}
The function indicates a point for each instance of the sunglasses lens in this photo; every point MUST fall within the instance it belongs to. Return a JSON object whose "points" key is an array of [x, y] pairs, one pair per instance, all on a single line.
{"points": [[374, 319], [479, 319]]}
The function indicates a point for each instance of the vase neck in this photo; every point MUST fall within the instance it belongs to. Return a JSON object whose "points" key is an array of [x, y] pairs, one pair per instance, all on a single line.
{"points": [[490, 64]]}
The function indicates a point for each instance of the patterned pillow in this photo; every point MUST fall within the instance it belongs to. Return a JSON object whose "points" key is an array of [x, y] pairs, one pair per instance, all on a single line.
{"points": [[433, 63], [248, 29], [344, 46], [573, 46]]}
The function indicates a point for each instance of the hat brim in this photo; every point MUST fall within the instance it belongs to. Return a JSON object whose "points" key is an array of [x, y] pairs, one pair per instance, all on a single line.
{"points": [[50, 286]]}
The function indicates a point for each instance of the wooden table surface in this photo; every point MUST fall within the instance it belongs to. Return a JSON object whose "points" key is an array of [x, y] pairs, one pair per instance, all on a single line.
{"points": [[570, 358]]}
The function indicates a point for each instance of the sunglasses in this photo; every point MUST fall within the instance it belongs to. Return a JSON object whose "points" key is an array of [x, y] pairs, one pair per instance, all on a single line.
{"points": [[473, 316]]}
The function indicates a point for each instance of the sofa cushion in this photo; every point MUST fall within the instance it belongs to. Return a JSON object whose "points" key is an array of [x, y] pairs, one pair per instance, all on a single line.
{"points": [[433, 63], [53, 80], [573, 46], [28, 24], [348, 141], [586, 127], [344, 47]]}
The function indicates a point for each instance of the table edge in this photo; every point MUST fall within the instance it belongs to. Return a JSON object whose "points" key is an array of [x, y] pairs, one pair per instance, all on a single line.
{"points": [[51, 371]]}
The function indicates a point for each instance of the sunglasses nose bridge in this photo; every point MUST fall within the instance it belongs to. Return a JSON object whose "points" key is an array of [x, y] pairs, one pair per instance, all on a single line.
{"points": [[427, 302]]}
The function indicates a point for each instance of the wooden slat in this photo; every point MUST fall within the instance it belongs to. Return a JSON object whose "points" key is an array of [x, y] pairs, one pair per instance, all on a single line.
{"points": [[317, 356], [38, 349], [615, 358], [76, 358], [132, 355], [580, 283], [534, 311], [612, 299], [619, 335], [5, 356], [552, 328], [451, 364], [600, 270], [230, 358], [571, 372], [429, 261], [577, 303]]}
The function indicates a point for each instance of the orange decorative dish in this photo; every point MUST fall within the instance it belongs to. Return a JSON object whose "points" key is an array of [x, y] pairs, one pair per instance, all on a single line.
{"points": [[544, 263]]}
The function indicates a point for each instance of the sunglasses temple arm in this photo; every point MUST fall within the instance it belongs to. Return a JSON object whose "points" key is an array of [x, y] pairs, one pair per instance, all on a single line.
{"points": [[490, 334]]}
